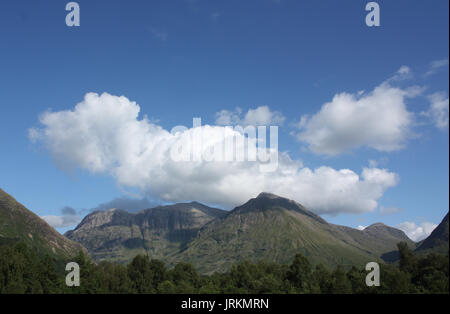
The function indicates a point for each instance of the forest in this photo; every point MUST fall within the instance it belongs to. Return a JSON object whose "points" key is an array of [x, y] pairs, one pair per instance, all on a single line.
{"points": [[23, 271]]}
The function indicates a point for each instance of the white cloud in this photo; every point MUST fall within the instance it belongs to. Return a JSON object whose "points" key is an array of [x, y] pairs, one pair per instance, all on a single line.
{"points": [[417, 232], [256, 117], [126, 203], [69, 218], [159, 33], [215, 16], [103, 135], [361, 227], [436, 65], [439, 108], [404, 73], [389, 210], [379, 120]]}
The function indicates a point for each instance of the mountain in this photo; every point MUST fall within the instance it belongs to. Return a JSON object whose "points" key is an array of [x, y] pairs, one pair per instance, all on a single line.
{"points": [[117, 235], [267, 227], [274, 229], [18, 224], [379, 239], [437, 241]]}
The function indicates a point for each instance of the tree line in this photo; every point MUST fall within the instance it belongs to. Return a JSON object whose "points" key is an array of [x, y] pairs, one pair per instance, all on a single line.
{"points": [[22, 270]]}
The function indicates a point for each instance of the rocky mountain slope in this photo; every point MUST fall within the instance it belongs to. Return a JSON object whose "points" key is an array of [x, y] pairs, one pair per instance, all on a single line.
{"points": [[18, 224], [268, 227], [117, 235], [437, 241], [274, 229]]}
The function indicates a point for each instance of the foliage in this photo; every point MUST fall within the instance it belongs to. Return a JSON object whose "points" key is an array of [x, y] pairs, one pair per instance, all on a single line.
{"points": [[24, 271]]}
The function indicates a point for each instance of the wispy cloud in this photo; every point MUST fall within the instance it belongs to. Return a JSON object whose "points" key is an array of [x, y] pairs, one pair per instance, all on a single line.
{"points": [[215, 16], [439, 110], [126, 203], [257, 117], [436, 66], [159, 33], [389, 210], [404, 73], [69, 217]]}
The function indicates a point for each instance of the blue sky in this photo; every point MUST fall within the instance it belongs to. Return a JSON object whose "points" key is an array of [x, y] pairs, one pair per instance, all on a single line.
{"points": [[185, 59]]}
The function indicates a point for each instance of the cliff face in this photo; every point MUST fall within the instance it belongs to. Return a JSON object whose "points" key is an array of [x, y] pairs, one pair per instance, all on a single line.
{"points": [[159, 232], [267, 227]]}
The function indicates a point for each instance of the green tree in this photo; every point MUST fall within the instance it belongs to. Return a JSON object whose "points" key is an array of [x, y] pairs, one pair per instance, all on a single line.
{"points": [[340, 283], [141, 274], [408, 262], [300, 275]]}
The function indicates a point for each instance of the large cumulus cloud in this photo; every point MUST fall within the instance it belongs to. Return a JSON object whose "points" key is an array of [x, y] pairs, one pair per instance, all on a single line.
{"points": [[104, 135]]}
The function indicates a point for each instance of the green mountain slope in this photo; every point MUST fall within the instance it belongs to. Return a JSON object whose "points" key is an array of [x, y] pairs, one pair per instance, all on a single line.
{"points": [[275, 229], [437, 241], [117, 235], [18, 224]]}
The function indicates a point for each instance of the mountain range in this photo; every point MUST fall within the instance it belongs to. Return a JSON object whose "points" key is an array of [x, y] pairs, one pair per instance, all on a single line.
{"points": [[117, 235], [268, 227]]}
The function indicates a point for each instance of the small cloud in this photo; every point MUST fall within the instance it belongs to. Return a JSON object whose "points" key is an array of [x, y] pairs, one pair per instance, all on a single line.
{"points": [[436, 66], [215, 16], [68, 218], [404, 73], [257, 117], [389, 210], [350, 121], [34, 135], [361, 227], [159, 34], [68, 211], [417, 232], [439, 110], [378, 163], [126, 203]]}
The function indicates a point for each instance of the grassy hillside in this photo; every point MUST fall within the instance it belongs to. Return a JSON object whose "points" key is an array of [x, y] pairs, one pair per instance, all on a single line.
{"points": [[18, 224], [437, 241], [275, 229]]}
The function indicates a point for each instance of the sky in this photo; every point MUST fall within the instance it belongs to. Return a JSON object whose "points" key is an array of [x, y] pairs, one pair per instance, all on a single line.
{"points": [[86, 113]]}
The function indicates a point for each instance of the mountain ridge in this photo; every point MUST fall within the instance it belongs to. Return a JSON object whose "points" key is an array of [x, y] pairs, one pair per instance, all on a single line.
{"points": [[267, 227], [19, 224], [438, 240], [158, 231], [274, 228]]}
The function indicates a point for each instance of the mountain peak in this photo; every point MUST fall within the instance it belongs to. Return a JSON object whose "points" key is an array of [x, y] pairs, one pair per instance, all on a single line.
{"points": [[268, 201], [268, 195], [377, 225]]}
